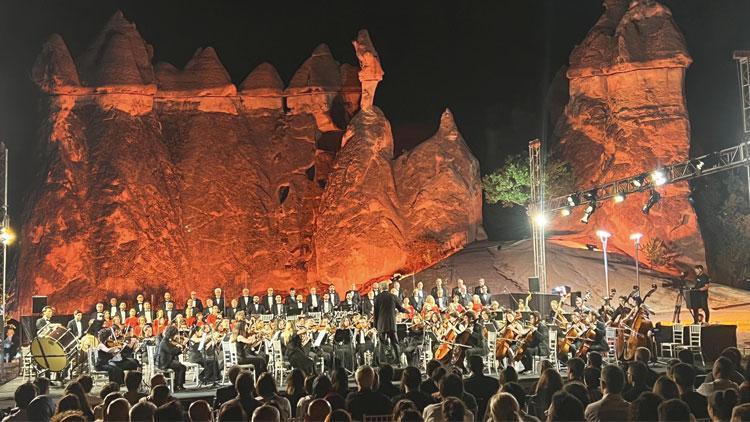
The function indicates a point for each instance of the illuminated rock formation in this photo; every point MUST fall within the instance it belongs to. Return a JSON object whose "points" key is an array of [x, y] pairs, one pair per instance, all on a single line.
{"points": [[627, 115], [159, 178]]}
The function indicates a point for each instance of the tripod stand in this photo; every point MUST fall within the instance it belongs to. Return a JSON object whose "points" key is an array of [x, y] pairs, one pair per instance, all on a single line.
{"points": [[678, 305]]}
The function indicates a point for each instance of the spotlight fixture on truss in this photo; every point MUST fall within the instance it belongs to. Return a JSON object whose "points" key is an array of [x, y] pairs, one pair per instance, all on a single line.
{"points": [[573, 200], [652, 200], [640, 181], [659, 177], [619, 197], [565, 211], [588, 211]]}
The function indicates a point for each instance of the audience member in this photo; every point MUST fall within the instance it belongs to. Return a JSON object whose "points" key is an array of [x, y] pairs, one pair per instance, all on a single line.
{"points": [[684, 376], [386, 387], [721, 371], [507, 374], [295, 388], [575, 369], [339, 415], [410, 379], [67, 402], [721, 403], [321, 386], [23, 395], [594, 360], [133, 381], [232, 411], [565, 408], [612, 406], [224, 394], [365, 401], [503, 407], [637, 381], [519, 394], [318, 411], [674, 410], [645, 408], [200, 411], [169, 412], [451, 392], [666, 388], [245, 393], [430, 386], [118, 411], [40, 409], [591, 377], [266, 413], [741, 413], [142, 412], [550, 382], [579, 391], [643, 355], [88, 384], [481, 386], [269, 395], [401, 406]]}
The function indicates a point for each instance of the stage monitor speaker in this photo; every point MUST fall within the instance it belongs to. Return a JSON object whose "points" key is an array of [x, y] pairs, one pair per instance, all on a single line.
{"points": [[38, 303], [573, 296], [534, 284]]}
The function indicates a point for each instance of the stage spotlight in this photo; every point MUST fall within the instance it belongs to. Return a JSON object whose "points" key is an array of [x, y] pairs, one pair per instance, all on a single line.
{"points": [[639, 181], [619, 197], [652, 200], [699, 165], [565, 212], [590, 195], [540, 220], [659, 177], [7, 236], [587, 213], [573, 200]]}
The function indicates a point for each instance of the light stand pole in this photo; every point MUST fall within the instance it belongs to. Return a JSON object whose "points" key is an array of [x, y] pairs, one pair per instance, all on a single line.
{"points": [[603, 236], [636, 237]]}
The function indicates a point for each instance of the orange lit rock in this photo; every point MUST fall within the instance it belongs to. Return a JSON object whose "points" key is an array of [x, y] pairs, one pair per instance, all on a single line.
{"points": [[172, 179], [627, 115]]}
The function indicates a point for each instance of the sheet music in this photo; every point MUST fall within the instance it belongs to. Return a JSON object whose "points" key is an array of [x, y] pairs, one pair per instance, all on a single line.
{"points": [[319, 339]]}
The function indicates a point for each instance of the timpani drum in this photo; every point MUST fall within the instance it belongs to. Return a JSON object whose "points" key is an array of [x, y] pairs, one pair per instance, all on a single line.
{"points": [[54, 348]]}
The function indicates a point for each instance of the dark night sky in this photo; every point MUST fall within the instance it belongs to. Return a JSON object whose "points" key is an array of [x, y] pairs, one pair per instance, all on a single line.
{"points": [[489, 61]]}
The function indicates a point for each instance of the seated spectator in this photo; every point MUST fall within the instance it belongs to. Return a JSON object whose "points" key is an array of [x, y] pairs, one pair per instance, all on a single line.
{"points": [[684, 376], [686, 356], [734, 356], [67, 402], [268, 394], [503, 407], [402, 406], [232, 411], [133, 381], [340, 385], [88, 384], [643, 355], [410, 379], [318, 411], [77, 390], [519, 394], [159, 395], [721, 403], [575, 369], [69, 416], [591, 378], [674, 410], [42, 387], [321, 386], [245, 393], [23, 395], [266, 413], [612, 406], [564, 407], [365, 401], [550, 382], [481, 386], [579, 391], [142, 412], [101, 410], [430, 386], [339, 415], [666, 388], [295, 388], [507, 374], [451, 389], [594, 360], [744, 393], [169, 412], [721, 371], [741, 413], [645, 408], [637, 381], [40, 409], [200, 411], [386, 387], [118, 410], [224, 394]]}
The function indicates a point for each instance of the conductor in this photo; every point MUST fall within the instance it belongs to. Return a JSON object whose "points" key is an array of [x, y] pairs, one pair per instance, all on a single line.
{"points": [[384, 311]]}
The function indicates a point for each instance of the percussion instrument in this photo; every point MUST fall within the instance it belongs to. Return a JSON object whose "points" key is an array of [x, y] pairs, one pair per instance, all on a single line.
{"points": [[54, 347]]}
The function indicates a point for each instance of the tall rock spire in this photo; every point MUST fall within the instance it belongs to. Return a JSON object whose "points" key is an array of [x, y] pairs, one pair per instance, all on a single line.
{"points": [[370, 71]]}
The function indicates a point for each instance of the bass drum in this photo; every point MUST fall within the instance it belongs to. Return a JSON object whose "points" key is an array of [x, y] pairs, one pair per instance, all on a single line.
{"points": [[54, 348]]}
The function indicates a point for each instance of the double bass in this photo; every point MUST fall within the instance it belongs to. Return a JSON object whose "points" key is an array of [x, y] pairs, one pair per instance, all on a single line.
{"points": [[639, 329]]}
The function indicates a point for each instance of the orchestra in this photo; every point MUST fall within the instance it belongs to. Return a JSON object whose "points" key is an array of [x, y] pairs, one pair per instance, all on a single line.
{"points": [[317, 332]]}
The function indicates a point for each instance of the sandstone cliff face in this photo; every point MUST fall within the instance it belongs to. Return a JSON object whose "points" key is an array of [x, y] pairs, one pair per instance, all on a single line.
{"points": [[627, 115], [161, 178]]}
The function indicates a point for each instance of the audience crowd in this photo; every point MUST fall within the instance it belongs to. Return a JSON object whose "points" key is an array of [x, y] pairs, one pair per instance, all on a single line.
{"points": [[590, 391]]}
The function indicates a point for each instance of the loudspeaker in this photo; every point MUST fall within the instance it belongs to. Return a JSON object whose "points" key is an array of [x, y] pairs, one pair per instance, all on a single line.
{"points": [[534, 284], [38, 303], [573, 296]]}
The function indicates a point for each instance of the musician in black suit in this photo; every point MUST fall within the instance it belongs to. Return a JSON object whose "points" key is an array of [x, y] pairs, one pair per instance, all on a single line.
{"points": [[218, 299], [112, 308], [334, 296], [356, 297], [484, 296], [368, 303], [139, 300], [98, 313], [46, 318], [197, 304], [167, 299], [233, 308], [245, 300], [298, 306], [76, 325], [313, 301], [148, 313], [439, 286], [291, 301], [256, 308], [349, 304], [480, 286], [269, 300], [279, 309], [386, 305], [170, 313], [169, 353]]}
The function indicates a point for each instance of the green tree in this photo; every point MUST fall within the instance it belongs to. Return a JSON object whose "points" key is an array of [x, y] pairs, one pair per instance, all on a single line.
{"points": [[510, 185]]}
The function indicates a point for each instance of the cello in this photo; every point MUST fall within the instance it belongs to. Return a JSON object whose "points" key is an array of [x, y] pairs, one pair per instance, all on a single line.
{"points": [[639, 329]]}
